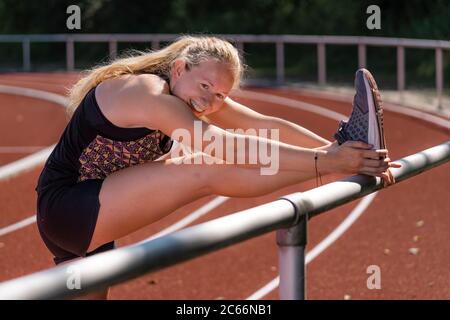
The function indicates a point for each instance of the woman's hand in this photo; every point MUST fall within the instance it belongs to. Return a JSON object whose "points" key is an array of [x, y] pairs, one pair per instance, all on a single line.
{"points": [[357, 157]]}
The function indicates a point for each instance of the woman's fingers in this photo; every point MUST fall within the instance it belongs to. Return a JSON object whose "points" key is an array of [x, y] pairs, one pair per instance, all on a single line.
{"points": [[371, 155], [375, 154], [372, 170], [366, 160], [375, 163], [386, 176], [395, 165]]}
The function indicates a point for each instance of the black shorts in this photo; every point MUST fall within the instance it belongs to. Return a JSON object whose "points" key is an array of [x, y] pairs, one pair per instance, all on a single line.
{"points": [[66, 219]]}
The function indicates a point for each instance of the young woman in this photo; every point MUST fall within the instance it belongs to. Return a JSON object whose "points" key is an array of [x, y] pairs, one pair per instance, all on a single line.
{"points": [[102, 182]]}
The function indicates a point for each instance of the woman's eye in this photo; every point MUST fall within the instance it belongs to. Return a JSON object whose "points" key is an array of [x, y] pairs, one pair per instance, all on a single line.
{"points": [[205, 86], [221, 97]]}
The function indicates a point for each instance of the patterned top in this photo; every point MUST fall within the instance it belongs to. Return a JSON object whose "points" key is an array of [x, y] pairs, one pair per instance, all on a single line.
{"points": [[103, 156]]}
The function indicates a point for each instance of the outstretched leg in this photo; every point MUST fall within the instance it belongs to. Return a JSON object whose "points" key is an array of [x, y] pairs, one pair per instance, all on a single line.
{"points": [[137, 196]]}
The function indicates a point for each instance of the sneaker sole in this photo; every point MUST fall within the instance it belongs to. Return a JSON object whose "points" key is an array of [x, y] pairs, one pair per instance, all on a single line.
{"points": [[378, 104], [375, 111]]}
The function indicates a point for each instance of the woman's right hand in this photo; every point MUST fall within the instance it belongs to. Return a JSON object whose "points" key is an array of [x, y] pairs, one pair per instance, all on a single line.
{"points": [[356, 157]]}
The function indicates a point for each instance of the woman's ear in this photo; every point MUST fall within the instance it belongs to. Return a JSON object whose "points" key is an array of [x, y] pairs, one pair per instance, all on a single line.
{"points": [[179, 66]]}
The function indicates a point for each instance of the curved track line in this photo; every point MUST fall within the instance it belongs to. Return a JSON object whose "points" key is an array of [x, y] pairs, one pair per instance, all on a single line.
{"points": [[323, 245], [25, 164], [33, 93], [390, 106], [18, 225], [21, 149], [30, 162], [265, 97]]}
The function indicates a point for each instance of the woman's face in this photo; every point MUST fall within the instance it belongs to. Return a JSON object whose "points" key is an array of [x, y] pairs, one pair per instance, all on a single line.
{"points": [[203, 87]]}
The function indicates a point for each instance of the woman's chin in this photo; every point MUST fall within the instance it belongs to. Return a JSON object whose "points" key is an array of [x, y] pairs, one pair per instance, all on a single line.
{"points": [[198, 114]]}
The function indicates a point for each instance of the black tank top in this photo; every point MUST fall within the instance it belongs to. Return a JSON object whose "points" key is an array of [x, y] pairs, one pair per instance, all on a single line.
{"points": [[91, 147]]}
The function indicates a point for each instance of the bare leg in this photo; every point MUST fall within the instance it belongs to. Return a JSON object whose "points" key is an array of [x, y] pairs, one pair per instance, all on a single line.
{"points": [[137, 196]]}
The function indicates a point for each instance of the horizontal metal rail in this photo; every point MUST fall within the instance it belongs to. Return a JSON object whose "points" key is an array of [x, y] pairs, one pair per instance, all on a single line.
{"points": [[299, 39], [129, 262]]}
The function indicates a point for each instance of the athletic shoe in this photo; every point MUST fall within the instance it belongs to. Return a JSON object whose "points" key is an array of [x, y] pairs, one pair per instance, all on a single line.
{"points": [[366, 120]]}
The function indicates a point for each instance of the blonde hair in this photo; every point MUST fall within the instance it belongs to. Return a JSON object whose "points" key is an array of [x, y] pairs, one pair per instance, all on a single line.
{"points": [[193, 49]]}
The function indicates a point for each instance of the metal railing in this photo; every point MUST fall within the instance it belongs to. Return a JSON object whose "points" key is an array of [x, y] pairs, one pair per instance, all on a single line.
{"points": [[289, 215], [279, 40]]}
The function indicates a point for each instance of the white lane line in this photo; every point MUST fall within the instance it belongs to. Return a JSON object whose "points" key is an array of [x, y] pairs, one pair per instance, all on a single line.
{"points": [[392, 107], [20, 149], [296, 104], [25, 164], [18, 225], [33, 93], [323, 245], [34, 160]]}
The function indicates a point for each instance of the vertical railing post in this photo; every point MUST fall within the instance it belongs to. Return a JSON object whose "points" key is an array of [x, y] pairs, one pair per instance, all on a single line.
{"points": [[291, 255], [400, 68], [155, 45], [439, 77], [280, 62], [362, 56], [240, 47], [322, 63], [70, 55], [26, 55], [113, 49]]}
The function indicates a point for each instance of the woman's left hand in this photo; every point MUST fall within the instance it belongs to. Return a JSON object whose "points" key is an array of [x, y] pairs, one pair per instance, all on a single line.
{"points": [[386, 176]]}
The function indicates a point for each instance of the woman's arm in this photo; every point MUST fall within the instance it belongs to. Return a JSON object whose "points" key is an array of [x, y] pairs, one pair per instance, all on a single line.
{"points": [[172, 116], [235, 115], [157, 110]]}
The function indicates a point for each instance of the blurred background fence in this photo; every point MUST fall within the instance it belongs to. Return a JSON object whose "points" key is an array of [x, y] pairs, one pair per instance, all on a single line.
{"points": [[413, 19]]}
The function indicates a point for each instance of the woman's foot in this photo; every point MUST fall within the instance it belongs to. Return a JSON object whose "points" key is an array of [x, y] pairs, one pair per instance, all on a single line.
{"points": [[366, 120]]}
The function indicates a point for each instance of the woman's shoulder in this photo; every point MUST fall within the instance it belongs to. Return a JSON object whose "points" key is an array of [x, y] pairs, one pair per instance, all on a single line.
{"points": [[120, 99], [155, 83], [148, 84]]}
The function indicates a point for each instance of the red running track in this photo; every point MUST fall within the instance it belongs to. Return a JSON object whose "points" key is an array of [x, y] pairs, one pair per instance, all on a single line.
{"points": [[382, 236]]}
